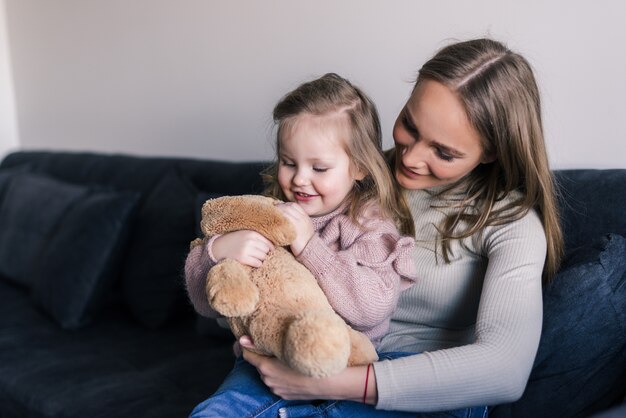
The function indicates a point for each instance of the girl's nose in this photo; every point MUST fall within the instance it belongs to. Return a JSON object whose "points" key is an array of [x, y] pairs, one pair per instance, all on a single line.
{"points": [[300, 178]]}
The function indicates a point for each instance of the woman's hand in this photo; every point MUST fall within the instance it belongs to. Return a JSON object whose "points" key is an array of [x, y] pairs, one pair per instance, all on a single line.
{"points": [[247, 247], [289, 384], [301, 222]]}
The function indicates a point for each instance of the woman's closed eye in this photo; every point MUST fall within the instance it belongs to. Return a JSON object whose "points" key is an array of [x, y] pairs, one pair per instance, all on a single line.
{"points": [[408, 125], [443, 154]]}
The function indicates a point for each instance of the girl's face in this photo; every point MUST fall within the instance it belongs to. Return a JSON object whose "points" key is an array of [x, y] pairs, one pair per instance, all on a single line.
{"points": [[435, 143], [314, 169]]}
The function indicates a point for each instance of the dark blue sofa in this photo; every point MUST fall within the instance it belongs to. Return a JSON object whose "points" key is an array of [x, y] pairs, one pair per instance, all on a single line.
{"points": [[94, 321]]}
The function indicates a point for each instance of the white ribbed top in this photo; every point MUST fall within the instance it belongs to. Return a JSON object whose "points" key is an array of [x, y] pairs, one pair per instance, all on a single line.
{"points": [[476, 320]]}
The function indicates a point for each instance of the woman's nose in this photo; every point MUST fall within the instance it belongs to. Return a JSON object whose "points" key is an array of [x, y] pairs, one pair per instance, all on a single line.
{"points": [[414, 155]]}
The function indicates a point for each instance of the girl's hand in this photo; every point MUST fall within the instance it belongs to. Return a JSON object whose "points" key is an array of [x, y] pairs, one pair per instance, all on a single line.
{"points": [[247, 247], [291, 385], [301, 222]]}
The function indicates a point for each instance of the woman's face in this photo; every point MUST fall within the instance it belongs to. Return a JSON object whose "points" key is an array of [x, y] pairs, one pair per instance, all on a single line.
{"points": [[435, 143]]}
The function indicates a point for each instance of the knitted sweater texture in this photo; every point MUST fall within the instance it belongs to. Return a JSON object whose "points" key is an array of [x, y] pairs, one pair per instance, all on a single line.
{"points": [[361, 269], [475, 321]]}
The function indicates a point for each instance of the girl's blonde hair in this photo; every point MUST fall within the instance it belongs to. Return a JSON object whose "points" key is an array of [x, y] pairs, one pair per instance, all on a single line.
{"points": [[501, 98], [330, 95]]}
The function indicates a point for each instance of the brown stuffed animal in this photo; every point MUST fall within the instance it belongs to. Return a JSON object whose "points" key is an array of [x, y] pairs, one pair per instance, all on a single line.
{"points": [[279, 305]]}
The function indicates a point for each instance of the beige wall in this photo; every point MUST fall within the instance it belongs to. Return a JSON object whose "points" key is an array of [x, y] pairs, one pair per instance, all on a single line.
{"points": [[8, 121], [200, 77]]}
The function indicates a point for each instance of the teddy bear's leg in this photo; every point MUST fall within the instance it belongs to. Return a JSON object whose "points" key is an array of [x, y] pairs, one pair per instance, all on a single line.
{"points": [[362, 350], [317, 344], [230, 290]]}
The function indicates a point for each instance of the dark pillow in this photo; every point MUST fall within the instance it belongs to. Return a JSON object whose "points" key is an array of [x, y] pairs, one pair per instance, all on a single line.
{"points": [[30, 210], [7, 174], [79, 264], [152, 282], [63, 242], [580, 364]]}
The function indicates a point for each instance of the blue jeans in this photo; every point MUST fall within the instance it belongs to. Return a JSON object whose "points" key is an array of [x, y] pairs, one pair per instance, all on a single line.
{"points": [[243, 394]]}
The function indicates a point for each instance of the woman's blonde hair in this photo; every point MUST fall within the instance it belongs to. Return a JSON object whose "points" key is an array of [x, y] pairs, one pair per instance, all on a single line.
{"points": [[501, 98], [331, 95]]}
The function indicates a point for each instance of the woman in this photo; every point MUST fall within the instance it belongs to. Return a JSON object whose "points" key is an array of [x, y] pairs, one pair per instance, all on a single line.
{"points": [[471, 160]]}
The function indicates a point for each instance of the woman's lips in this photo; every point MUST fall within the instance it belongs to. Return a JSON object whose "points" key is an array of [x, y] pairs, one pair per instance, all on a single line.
{"points": [[407, 172]]}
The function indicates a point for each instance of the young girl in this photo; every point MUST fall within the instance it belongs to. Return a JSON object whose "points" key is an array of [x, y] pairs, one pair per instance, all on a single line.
{"points": [[345, 208], [471, 160]]}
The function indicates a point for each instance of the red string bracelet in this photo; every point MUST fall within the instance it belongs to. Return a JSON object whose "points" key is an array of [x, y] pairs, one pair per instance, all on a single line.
{"points": [[367, 378]]}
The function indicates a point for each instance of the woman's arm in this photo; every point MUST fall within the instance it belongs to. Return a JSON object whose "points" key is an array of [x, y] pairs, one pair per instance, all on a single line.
{"points": [[349, 384], [493, 369], [495, 366]]}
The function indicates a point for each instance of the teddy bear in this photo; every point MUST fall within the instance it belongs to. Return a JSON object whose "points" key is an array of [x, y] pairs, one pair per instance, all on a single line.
{"points": [[280, 304]]}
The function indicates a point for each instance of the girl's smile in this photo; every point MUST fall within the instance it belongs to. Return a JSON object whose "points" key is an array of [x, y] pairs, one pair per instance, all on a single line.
{"points": [[314, 168]]}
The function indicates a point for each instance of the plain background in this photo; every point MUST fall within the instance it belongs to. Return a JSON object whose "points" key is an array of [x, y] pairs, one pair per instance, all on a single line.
{"points": [[199, 78]]}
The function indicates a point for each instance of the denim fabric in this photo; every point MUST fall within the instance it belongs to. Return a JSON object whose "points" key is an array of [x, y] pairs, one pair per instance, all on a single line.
{"points": [[243, 394]]}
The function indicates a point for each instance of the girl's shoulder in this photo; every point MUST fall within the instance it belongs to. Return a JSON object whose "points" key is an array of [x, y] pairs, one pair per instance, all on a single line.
{"points": [[371, 217]]}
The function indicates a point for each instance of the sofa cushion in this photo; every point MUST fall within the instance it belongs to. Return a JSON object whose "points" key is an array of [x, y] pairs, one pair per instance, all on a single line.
{"points": [[7, 174], [580, 364], [80, 262], [30, 211], [152, 283], [62, 242], [591, 204], [112, 368]]}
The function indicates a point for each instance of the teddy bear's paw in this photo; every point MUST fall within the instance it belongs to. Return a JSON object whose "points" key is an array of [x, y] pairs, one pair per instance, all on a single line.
{"points": [[317, 344], [362, 350], [230, 291]]}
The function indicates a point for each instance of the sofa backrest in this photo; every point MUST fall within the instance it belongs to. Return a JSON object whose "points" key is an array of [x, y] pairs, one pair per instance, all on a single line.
{"points": [[592, 203], [150, 274], [172, 189]]}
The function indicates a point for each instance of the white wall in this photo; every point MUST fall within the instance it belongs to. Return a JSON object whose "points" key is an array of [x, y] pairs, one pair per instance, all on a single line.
{"points": [[8, 122], [200, 77]]}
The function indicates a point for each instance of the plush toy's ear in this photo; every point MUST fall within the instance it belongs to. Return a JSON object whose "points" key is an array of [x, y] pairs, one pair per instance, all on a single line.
{"points": [[257, 213]]}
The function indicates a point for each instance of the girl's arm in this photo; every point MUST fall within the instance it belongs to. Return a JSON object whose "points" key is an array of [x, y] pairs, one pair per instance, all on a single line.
{"points": [[365, 276], [247, 247]]}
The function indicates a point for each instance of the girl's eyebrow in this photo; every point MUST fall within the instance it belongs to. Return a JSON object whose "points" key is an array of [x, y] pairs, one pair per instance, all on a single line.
{"points": [[452, 151]]}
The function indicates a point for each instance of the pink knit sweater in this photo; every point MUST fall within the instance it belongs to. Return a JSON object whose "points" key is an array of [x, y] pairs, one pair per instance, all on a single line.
{"points": [[361, 269]]}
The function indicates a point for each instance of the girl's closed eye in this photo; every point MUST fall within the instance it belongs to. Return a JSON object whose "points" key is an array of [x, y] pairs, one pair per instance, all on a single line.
{"points": [[287, 163], [320, 169]]}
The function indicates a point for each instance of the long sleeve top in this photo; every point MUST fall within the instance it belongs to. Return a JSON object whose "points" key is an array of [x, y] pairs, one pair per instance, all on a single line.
{"points": [[476, 321], [362, 269]]}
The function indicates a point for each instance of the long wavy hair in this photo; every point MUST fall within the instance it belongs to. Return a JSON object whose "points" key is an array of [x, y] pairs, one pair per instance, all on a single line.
{"points": [[499, 92], [332, 95]]}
